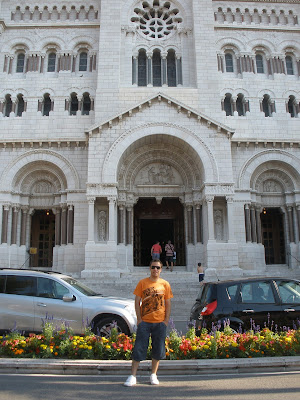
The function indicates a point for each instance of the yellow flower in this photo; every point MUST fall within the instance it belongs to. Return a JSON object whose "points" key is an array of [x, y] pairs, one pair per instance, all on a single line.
{"points": [[206, 347], [194, 348], [90, 347], [107, 346], [234, 344]]}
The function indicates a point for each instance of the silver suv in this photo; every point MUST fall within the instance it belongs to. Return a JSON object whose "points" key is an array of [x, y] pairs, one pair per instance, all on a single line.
{"points": [[27, 298]]}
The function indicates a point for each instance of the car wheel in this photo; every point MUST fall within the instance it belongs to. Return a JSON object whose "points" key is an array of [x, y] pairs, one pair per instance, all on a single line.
{"points": [[105, 325]]}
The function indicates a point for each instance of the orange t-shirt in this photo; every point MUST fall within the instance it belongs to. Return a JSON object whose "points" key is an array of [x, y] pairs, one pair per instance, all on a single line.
{"points": [[153, 295], [156, 248]]}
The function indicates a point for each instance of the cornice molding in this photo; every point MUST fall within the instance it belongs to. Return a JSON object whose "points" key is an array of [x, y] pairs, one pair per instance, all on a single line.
{"points": [[262, 1]]}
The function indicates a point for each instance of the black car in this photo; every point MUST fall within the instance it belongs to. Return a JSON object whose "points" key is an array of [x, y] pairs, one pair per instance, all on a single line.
{"points": [[248, 303]]}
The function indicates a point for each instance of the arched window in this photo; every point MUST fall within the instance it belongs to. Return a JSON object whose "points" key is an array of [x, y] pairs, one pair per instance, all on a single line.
{"points": [[20, 105], [47, 105], [8, 105], [86, 104], [73, 104], [51, 62], [20, 63], [171, 68], [83, 58], [156, 68], [240, 105], [142, 68], [259, 64], [229, 62], [266, 106], [228, 106], [289, 65], [292, 107]]}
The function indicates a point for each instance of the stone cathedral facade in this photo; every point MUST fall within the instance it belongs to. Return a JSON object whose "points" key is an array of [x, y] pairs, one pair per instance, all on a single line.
{"points": [[129, 121]]}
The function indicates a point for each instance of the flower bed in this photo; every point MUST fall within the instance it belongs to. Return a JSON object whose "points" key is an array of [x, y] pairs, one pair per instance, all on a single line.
{"points": [[225, 344]]}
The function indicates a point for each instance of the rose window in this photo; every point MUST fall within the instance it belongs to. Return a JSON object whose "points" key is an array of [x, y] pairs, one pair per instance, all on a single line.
{"points": [[156, 21]]}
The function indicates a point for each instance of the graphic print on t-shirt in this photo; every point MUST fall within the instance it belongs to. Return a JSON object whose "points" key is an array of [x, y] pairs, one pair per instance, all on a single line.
{"points": [[153, 300]]}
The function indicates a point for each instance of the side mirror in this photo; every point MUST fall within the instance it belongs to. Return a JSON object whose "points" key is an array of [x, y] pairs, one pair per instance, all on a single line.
{"points": [[68, 297]]}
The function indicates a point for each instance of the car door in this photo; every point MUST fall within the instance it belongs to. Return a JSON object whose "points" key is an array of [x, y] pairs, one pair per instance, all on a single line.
{"points": [[289, 291], [50, 306], [258, 304], [16, 302]]}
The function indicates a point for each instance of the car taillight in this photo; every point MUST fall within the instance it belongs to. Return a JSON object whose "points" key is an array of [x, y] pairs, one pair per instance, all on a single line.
{"points": [[209, 308]]}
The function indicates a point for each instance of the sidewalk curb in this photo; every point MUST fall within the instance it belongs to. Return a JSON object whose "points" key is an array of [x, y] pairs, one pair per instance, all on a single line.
{"points": [[167, 367]]}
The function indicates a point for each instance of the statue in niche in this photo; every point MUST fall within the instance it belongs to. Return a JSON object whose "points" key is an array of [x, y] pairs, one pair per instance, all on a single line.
{"points": [[218, 220], [102, 226], [42, 187], [271, 186]]}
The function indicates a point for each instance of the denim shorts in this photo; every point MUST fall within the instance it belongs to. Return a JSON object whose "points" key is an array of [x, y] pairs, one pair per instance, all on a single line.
{"points": [[155, 256], [158, 336]]}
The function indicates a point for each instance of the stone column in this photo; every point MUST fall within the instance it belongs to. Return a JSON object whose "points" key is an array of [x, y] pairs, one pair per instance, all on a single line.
{"points": [[14, 224], [189, 210], [111, 225], [298, 220], [231, 236], [164, 68], [199, 223], [64, 225], [210, 217], [122, 223], [135, 70], [149, 69], [179, 70], [70, 224], [91, 220], [291, 223], [129, 225], [253, 224], [247, 223], [57, 226], [5, 223], [258, 225], [23, 226]]}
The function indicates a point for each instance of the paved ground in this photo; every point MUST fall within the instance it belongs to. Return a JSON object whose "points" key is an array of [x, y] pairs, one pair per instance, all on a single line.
{"points": [[271, 386]]}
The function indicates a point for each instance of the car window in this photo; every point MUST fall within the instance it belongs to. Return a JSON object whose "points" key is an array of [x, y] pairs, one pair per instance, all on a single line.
{"points": [[257, 292], [50, 289], [80, 286], [21, 285], [2, 283], [232, 292], [289, 291]]}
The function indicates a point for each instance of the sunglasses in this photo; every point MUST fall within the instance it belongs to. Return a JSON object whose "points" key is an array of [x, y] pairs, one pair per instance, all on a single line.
{"points": [[155, 267]]}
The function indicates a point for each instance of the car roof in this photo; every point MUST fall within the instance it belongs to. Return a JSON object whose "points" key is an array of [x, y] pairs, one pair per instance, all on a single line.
{"points": [[250, 279], [24, 271]]}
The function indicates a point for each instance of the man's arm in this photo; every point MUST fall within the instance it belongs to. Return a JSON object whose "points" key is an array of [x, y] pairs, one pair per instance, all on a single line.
{"points": [[168, 311], [137, 305]]}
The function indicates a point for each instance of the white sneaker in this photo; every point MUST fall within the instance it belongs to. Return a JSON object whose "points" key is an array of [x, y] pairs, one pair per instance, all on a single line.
{"points": [[154, 380], [130, 381]]}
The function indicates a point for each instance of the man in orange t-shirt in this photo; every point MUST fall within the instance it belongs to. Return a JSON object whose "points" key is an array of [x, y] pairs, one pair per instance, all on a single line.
{"points": [[153, 308]]}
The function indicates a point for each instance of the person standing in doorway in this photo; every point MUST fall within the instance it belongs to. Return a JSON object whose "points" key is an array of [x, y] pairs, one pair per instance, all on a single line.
{"points": [[156, 251], [153, 307], [169, 248]]}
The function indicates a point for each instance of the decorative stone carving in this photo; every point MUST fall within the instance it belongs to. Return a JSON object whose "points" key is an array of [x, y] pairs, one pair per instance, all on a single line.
{"points": [[271, 186], [158, 174], [42, 187], [218, 220], [102, 222]]}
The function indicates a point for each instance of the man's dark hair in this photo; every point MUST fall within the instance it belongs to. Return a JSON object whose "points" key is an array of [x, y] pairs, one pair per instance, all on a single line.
{"points": [[199, 264], [152, 261]]}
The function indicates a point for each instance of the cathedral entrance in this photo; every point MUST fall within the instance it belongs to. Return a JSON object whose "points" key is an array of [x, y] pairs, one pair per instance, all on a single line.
{"points": [[163, 222], [273, 236], [42, 238]]}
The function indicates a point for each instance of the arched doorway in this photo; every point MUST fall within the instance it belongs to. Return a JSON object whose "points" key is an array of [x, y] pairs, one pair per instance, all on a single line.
{"points": [[163, 222], [272, 227], [42, 238]]}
